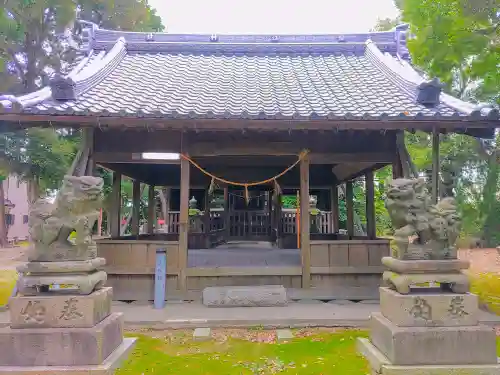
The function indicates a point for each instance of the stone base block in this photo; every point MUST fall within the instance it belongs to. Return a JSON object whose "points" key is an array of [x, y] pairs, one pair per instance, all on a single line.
{"points": [[470, 345], [380, 365], [425, 266], [429, 309], [60, 311], [108, 367], [32, 284], [61, 346], [63, 267], [458, 282], [245, 296]]}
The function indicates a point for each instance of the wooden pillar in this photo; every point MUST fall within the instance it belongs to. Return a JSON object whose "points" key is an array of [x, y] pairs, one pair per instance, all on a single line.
{"points": [[334, 208], [116, 202], [397, 167], [349, 201], [227, 217], [206, 212], [183, 224], [136, 207], [371, 223], [435, 165], [168, 200], [305, 223], [151, 209]]}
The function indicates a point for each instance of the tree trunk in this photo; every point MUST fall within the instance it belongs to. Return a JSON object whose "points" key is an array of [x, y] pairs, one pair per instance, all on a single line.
{"points": [[3, 227]]}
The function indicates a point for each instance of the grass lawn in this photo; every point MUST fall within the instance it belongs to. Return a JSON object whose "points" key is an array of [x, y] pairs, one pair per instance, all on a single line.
{"points": [[255, 351], [7, 282], [313, 351]]}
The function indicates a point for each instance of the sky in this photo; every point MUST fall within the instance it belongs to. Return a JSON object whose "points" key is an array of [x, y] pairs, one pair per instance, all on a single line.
{"points": [[271, 16]]}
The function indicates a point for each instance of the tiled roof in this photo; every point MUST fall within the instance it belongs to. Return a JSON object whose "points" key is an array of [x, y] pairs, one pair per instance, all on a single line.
{"points": [[354, 76]]}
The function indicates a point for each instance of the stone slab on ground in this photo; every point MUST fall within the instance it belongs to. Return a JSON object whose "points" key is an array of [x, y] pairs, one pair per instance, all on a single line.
{"points": [[469, 345], [108, 367], [60, 311], [61, 346], [441, 309], [202, 334], [245, 296], [380, 365], [193, 315], [283, 335]]}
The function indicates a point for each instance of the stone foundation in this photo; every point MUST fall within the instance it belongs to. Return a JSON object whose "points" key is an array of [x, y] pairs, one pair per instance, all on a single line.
{"points": [[428, 330], [61, 346], [436, 345], [57, 311]]}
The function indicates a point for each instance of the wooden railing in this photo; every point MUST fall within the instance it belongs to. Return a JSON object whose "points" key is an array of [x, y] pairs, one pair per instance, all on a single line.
{"points": [[254, 222], [323, 222]]}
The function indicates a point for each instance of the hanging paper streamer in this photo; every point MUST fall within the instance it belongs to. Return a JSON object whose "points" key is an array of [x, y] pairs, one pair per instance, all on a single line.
{"points": [[247, 196], [277, 188], [211, 188]]}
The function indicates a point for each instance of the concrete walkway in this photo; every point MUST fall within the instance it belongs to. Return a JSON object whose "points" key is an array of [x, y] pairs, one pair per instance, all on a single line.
{"points": [[191, 315]]}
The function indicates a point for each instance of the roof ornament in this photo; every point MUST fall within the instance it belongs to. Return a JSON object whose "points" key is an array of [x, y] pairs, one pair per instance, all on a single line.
{"points": [[275, 38], [63, 88], [428, 92], [150, 37], [214, 38], [341, 38], [10, 102]]}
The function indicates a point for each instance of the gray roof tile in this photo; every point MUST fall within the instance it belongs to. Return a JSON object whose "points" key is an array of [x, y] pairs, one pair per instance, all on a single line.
{"points": [[296, 77]]}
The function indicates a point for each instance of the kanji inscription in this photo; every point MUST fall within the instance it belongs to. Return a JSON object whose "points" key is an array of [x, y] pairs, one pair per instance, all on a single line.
{"points": [[457, 309], [421, 309], [34, 312], [70, 310]]}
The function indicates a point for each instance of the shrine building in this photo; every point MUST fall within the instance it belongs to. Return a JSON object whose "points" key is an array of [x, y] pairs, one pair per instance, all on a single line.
{"points": [[231, 124]]}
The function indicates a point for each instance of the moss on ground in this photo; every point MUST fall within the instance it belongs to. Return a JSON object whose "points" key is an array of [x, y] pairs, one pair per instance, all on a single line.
{"points": [[487, 287], [7, 282], [229, 353]]}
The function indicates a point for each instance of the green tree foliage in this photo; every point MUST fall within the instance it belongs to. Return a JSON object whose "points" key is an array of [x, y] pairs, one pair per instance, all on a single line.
{"points": [[459, 42], [38, 38]]}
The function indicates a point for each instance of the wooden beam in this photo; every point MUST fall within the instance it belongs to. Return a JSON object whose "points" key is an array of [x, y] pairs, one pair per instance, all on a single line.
{"points": [[128, 157], [334, 208], [371, 223], [151, 209], [22, 120], [435, 165], [350, 208], [346, 170], [136, 207], [116, 202], [305, 222], [183, 224]]}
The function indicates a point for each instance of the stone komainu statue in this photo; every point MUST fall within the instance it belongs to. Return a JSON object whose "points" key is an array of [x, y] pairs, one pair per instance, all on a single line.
{"points": [[422, 231], [76, 208]]}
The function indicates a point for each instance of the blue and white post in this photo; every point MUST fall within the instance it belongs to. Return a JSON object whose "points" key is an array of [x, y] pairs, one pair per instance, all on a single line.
{"points": [[160, 278]]}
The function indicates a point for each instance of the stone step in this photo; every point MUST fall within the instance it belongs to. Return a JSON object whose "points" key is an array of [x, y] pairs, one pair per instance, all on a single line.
{"points": [[245, 296]]}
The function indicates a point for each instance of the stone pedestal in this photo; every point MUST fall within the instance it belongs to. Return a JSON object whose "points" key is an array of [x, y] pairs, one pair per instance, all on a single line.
{"points": [[60, 330], [72, 277], [428, 330]]}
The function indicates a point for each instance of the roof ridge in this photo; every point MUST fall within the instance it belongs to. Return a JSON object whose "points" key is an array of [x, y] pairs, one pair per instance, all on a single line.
{"points": [[399, 69], [36, 97], [82, 78], [98, 70]]}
